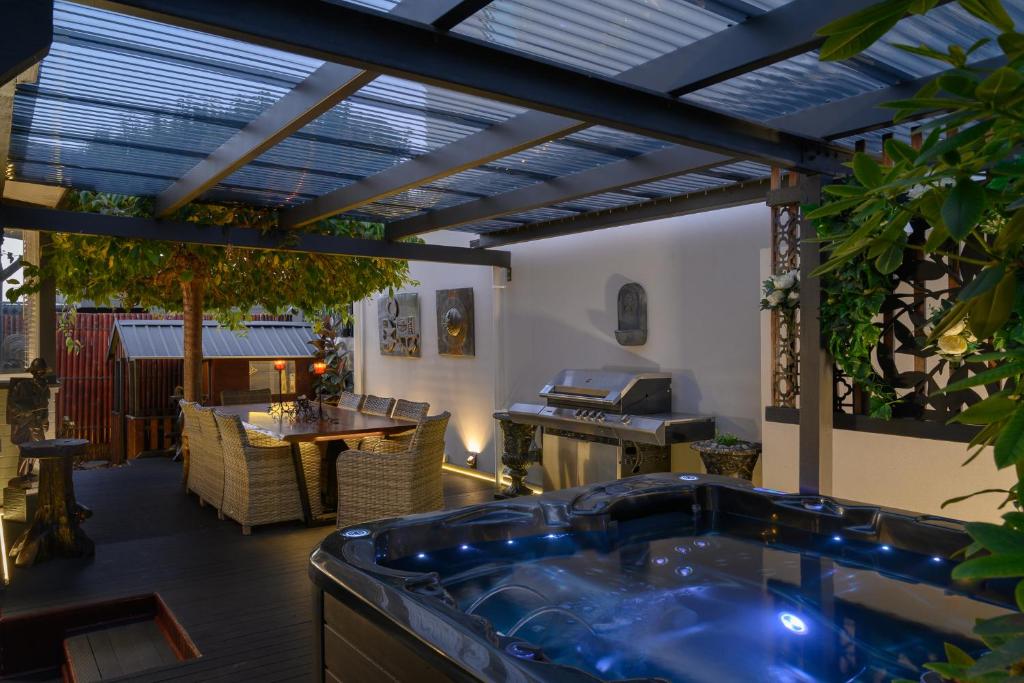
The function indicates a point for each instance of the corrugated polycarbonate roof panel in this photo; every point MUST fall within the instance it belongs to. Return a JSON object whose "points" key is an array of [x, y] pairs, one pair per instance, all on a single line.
{"points": [[803, 81], [603, 36], [387, 122], [119, 95], [142, 339]]}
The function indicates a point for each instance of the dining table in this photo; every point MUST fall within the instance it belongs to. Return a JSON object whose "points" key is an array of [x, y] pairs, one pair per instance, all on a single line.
{"points": [[336, 423]]}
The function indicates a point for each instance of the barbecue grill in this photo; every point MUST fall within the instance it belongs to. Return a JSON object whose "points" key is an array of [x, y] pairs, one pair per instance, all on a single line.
{"points": [[587, 414]]}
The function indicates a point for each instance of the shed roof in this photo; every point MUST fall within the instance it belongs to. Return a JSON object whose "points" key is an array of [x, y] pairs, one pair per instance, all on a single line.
{"points": [[151, 339]]}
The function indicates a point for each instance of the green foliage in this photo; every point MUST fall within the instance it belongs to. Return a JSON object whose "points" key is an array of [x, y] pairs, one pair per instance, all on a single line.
{"points": [[149, 274], [727, 439], [331, 350], [852, 298], [966, 182]]}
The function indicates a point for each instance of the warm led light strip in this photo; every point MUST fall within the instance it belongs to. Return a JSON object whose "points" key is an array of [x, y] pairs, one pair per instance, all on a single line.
{"points": [[483, 476], [3, 552]]}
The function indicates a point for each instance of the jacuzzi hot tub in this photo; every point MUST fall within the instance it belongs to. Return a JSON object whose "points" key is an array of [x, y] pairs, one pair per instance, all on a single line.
{"points": [[658, 577]]}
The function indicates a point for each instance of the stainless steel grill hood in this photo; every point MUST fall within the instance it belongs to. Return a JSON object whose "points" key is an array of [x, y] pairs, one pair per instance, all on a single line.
{"points": [[611, 390]]}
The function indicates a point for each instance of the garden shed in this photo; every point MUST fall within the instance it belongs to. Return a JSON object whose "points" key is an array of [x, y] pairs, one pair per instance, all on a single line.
{"points": [[147, 357]]}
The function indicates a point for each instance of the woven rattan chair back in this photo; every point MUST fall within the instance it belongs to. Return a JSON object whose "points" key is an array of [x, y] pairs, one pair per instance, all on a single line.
{"points": [[428, 441], [402, 478], [208, 459], [232, 433], [237, 397], [350, 401], [260, 485], [377, 405], [190, 430], [409, 410]]}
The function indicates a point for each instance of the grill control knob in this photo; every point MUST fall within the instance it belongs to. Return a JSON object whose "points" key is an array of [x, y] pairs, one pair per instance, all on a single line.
{"points": [[626, 419], [579, 412]]}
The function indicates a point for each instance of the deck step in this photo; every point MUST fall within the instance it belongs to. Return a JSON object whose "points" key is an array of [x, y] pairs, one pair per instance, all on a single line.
{"points": [[114, 651]]}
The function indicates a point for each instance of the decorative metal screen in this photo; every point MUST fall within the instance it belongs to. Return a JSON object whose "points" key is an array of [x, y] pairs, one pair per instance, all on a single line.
{"points": [[917, 371], [785, 324]]}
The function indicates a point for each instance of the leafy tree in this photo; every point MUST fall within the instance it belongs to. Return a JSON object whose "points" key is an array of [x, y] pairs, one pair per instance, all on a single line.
{"points": [[197, 279], [966, 183]]}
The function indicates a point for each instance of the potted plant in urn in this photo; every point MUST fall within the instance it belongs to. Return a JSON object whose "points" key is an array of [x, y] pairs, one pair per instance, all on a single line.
{"points": [[729, 455]]}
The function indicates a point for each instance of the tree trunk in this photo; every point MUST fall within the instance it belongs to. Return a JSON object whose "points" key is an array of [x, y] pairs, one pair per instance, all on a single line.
{"points": [[192, 307]]}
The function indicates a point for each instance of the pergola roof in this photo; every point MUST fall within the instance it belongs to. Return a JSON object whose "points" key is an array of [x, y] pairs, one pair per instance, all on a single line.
{"points": [[423, 131]]}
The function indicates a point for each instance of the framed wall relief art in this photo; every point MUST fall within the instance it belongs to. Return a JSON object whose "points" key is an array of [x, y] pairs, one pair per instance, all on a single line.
{"points": [[456, 328], [398, 320]]}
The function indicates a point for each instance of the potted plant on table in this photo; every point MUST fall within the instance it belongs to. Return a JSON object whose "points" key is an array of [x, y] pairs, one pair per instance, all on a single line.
{"points": [[729, 455]]}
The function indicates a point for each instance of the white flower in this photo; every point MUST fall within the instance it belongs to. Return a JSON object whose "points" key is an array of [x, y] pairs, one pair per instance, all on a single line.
{"points": [[794, 296], [917, 190], [784, 280], [776, 298]]}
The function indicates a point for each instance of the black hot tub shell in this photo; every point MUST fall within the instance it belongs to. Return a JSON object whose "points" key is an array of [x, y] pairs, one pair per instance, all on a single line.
{"points": [[656, 577]]}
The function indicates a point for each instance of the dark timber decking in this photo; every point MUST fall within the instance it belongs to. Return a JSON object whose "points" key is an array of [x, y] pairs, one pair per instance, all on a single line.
{"points": [[244, 600]]}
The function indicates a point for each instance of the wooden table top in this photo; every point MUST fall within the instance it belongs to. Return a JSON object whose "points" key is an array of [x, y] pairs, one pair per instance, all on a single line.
{"points": [[336, 422]]}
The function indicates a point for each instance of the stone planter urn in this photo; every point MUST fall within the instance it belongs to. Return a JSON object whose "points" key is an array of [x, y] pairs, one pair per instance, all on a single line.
{"points": [[516, 454], [732, 459]]}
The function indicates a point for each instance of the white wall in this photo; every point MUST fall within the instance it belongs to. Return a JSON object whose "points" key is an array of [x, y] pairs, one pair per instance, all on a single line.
{"points": [[701, 274], [463, 386]]}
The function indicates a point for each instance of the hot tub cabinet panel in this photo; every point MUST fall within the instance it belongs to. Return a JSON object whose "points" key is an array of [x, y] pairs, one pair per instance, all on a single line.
{"points": [[649, 578]]}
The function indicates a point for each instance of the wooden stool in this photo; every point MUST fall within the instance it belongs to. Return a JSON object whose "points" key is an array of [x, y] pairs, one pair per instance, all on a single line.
{"points": [[55, 528]]}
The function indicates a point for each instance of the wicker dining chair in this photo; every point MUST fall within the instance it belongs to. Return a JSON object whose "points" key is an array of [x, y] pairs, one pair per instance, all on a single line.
{"points": [[350, 401], [260, 486], [206, 469], [237, 397], [190, 434], [377, 405], [396, 478], [409, 410]]}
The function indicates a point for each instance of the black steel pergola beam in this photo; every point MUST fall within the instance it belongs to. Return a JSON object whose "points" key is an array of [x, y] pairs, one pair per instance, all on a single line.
{"points": [[441, 14], [833, 120], [53, 220], [318, 93], [750, 192], [501, 139], [759, 41], [663, 163], [378, 42], [526, 130], [315, 95], [27, 34], [862, 113]]}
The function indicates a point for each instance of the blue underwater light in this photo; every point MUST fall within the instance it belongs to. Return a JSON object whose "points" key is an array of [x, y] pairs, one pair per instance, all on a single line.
{"points": [[355, 533], [793, 622]]}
